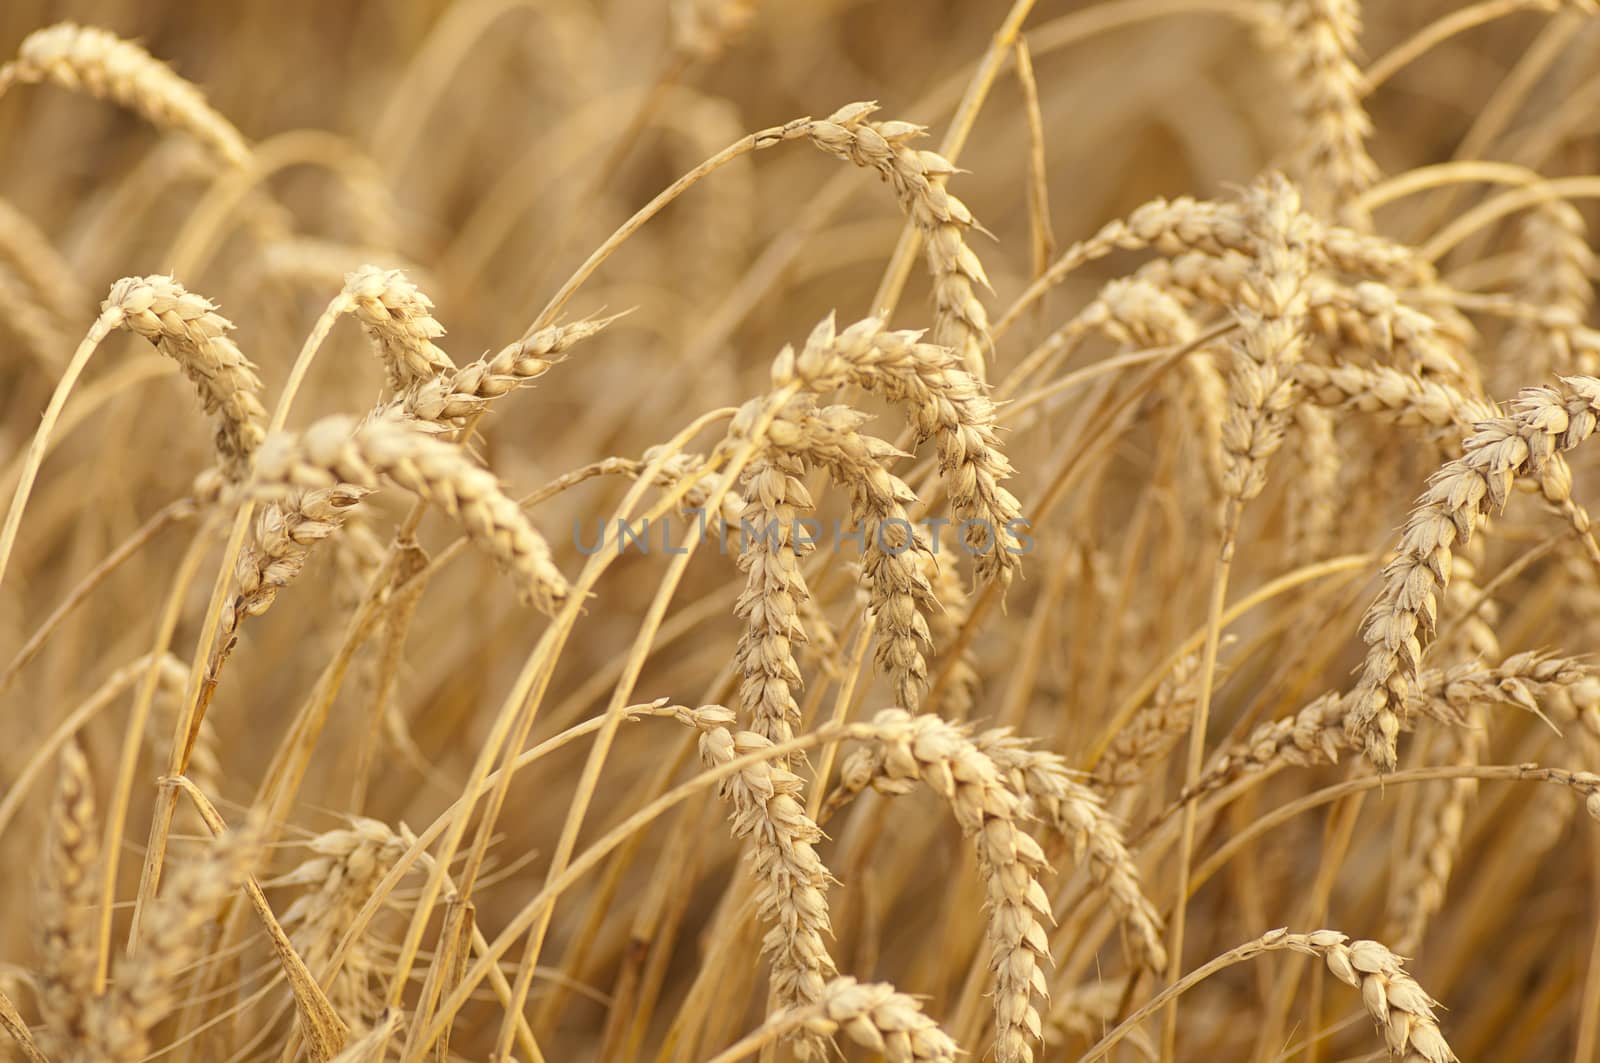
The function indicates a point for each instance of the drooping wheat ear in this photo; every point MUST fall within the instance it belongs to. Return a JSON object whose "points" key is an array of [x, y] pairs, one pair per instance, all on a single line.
{"points": [[1320, 40], [1077, 813], [962, 680], [899, 596], [1555, 239], [774, 499], [1153, 731], [1370, 317], [337, 451], [1418, 889], [791, 881], [102, 64], [453, 397], [1314, 487], [30, 321], [284, 535], [1401, 1009], [27, 250], [904, 749], [1564, 688], [873, 1015], [1403, 398], [943, 401], [339, 878], [701, 29], [1543, 423], [187, 328], [918, 179], [148, 985], [67, 898], [399, 319], [1261, 387]]}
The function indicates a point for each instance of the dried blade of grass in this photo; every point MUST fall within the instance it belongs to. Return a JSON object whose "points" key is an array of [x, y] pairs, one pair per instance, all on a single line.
{"points": [[102, 64], [12, 1023], [324, 1031]]}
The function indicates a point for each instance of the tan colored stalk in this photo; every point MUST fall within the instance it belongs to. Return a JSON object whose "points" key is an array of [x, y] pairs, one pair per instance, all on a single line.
{"points": [[336, 450], [906, 749], [104, 65], [1262, 395]]}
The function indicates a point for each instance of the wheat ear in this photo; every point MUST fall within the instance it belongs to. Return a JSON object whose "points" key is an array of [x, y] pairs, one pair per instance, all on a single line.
{"points": [[791, 880], [67, 898], [943, 402], [918, 179], [399, 319], [337, 450], [102, 64], [904, 749], [1543, 423], [872, 1014], [1320, 38], [187, 328], [1078, 814]]}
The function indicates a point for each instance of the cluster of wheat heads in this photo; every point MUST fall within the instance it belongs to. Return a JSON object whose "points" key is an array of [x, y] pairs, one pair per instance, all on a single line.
{"points": [[667, 622]]}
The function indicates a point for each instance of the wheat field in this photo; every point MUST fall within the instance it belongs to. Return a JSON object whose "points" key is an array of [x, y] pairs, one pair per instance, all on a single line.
{"points": [[603, 530]]}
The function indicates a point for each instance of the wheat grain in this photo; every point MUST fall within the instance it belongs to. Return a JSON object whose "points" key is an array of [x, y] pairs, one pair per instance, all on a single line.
{"points": [[67, 898]]}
